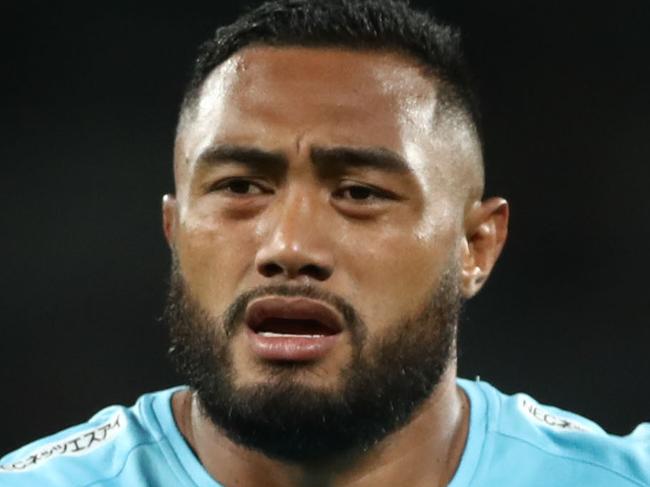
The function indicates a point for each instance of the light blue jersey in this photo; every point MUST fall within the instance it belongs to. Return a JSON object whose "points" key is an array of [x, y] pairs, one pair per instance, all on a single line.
{"points": [[513, 441]]}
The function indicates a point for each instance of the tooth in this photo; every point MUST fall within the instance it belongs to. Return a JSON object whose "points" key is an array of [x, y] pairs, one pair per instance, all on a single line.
{"points": [[289, 335]]}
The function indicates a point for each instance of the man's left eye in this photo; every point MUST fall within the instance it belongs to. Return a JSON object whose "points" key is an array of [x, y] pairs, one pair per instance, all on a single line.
{"points": [[242, 187], [360, 193]]}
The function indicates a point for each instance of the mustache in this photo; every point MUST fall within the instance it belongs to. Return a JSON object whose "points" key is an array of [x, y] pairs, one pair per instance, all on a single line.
{"points": [[233, 316]]}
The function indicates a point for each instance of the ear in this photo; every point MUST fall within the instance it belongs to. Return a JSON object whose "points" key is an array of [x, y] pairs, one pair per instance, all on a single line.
{"points": [[169, 214], [486, 229]]}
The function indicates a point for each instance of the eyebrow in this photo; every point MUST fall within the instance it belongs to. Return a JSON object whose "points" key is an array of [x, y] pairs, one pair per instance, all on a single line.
{"points": [[336, 158], [327, 160], [246, 155]]}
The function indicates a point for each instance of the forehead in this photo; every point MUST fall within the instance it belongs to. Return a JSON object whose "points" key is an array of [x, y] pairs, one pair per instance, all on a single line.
{"points": [[350, 74], [344, 96]]}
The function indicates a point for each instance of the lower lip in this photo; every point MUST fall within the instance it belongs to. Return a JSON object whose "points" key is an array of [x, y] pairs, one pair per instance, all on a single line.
{"points": [[290, 348]]}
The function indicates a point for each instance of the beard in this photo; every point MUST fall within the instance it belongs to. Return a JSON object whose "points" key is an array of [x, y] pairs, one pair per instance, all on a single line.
{"points": [[386, 380]]}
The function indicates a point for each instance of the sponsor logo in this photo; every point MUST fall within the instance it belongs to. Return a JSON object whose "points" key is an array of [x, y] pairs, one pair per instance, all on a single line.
{"points": [[77, 444], [548, 419]]}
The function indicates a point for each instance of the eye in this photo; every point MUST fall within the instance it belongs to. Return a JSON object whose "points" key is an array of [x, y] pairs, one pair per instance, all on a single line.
{"points": [[360, 193], [239, 187]]}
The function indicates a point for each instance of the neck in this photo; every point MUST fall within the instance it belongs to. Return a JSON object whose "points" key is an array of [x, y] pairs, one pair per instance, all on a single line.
{"points": [[426, 451]]}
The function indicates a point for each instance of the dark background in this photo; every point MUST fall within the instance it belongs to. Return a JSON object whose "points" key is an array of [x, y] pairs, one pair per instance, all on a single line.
{"points": [[90, 99]]}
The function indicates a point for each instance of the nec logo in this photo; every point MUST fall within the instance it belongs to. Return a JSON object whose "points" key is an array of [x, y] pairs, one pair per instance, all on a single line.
{"points": [[542, 416]]}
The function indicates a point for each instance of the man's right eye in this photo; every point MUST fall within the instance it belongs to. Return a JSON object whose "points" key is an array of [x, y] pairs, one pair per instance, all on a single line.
{"points": [[238, 187]]}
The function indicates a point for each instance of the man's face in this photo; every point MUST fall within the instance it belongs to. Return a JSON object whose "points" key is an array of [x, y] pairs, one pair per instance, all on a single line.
{"points": [[314, 169]]}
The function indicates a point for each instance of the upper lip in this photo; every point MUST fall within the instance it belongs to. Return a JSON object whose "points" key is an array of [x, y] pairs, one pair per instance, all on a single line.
{"points": [[294, 308]]}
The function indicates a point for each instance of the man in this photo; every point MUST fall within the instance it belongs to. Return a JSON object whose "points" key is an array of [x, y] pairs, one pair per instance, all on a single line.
{"points": [[327, 224]]}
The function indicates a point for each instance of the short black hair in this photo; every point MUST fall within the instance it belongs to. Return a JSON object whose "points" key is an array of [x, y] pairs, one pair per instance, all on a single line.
{"points": [[351, 24]]}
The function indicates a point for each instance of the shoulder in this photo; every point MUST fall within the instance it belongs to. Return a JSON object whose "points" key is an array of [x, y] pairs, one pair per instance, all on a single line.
{"points": [[535, 439], [107, 446]]}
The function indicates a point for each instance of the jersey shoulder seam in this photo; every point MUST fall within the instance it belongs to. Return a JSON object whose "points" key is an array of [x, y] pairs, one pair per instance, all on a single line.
{"points": [[574, 459], [126, 460]]}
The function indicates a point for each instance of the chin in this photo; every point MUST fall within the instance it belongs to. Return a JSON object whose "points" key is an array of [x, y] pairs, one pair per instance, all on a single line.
{"points": [[311, 375]]}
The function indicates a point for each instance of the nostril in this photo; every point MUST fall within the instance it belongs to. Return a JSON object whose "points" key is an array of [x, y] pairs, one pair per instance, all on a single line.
{"points": [[271, 269], [317, 272]]}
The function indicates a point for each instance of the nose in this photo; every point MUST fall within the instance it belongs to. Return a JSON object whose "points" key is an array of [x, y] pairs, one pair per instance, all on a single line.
{"points": [[297, 245]]}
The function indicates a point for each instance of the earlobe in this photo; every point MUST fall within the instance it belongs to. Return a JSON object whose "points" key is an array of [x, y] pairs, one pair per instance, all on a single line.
{"points": [[486, 229], [169, 218], [471, 273]]}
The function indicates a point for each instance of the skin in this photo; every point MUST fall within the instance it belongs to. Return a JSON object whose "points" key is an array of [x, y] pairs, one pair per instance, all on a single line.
{"points": [[300, 222]]}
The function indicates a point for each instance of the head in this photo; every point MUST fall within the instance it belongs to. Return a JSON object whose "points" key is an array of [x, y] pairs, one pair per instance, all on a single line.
{"points": [[327, 159]]}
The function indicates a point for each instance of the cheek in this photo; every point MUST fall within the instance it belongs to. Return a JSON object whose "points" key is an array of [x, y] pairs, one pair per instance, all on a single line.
{"points": [[213, 258], [398, 270]]}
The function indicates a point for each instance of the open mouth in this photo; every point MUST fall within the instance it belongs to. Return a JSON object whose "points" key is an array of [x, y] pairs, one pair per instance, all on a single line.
{"points": [[292, 316], [292, 328], [287, 327]]}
